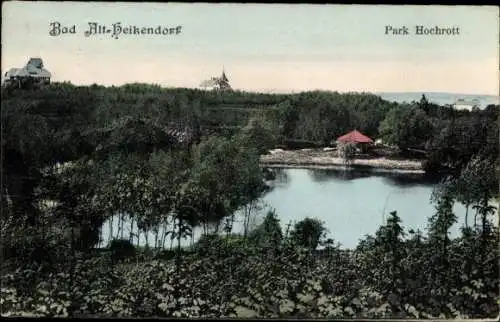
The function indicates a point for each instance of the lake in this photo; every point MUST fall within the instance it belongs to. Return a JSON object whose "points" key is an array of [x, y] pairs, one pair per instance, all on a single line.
{"points": [[351, 203]]}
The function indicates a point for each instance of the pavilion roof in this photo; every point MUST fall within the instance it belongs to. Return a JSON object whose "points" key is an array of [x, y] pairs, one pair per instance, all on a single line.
{"points": [[354, 137]]}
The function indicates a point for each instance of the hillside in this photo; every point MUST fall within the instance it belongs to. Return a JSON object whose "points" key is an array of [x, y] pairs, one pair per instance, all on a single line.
{"points": [[293, 115]]}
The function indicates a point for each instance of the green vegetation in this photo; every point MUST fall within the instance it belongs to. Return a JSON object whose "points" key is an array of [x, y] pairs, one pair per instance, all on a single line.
{"points": [[406, 127], [168, 161], [386, 276], [347, 151]]}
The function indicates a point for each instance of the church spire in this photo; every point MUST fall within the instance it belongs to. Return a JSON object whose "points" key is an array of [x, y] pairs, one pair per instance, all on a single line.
{"points": [[224, 77]]}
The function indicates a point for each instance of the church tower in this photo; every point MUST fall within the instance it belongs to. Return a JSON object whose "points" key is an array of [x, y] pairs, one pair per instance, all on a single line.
{"points": [[223, 81], [217, 83]]}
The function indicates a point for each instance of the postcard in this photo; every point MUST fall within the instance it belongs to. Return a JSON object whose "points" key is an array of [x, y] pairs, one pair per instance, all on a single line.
{"points": [[250, 161]]}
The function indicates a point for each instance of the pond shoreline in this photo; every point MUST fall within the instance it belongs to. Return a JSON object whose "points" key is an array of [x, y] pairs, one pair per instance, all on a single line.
{"points": [[329, 160], [341, 167]]}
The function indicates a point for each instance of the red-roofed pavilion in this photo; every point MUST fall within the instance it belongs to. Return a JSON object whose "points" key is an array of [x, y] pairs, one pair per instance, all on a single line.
{"points": [[359, 139], [354, 137]]}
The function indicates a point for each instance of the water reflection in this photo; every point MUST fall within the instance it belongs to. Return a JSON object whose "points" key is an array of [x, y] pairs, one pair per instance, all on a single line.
{"points": [[411, 180], [280, 177], [399, 179], [321, 175]]}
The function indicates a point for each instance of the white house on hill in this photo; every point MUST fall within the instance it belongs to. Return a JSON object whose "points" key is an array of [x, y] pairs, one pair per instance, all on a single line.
{"points": [[33, 72], [462, 104]]}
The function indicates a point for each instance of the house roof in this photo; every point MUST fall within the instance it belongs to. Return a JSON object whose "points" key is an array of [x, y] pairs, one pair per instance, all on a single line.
{"points": [[33, 68], [35, 62], [354, 137]]}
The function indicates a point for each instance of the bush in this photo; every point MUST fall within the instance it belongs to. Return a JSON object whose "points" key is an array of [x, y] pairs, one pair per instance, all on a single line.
{"points": [[30, 245], [207, 243], [121, 249], [432, 165], [217, 246]]}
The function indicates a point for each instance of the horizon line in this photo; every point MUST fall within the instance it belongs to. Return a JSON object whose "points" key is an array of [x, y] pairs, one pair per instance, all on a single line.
{"points": [[276, 91]]}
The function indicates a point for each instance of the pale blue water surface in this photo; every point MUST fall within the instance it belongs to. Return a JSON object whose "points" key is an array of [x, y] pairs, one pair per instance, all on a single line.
{"points": [[352, 204]]}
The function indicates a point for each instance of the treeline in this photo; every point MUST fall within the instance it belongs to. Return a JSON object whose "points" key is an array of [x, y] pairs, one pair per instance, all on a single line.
{"points": [[449, 137], [317, 117], [314, 116]]}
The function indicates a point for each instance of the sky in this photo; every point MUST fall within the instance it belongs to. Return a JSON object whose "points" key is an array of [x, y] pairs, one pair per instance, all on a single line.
{"points": [[262, 47]]}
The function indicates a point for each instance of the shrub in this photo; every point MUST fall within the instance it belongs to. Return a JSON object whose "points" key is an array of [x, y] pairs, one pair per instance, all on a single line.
{"points": [[207, 243], [121, 249]]}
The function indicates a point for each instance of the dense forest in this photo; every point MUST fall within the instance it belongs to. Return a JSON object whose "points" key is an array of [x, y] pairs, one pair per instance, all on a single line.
{"points": [[73, 157]]}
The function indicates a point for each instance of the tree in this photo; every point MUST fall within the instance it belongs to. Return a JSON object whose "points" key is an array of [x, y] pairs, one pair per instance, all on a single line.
{"points": [[225, 176], [423, 104], [406, 127], [268, 234], [288, 117], [439, 227], [389, 242], [458, 140], [258, 135], [477, 184], [347, 151], [308, 233]]}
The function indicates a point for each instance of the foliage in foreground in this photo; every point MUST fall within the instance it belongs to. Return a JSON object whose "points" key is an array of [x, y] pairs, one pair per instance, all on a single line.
{"points": [[237, 279]]}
